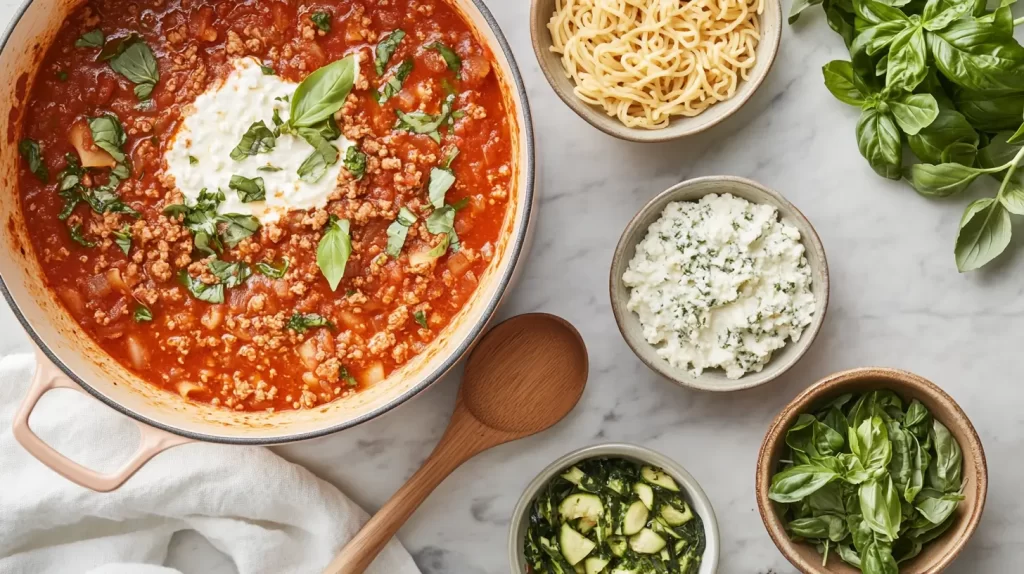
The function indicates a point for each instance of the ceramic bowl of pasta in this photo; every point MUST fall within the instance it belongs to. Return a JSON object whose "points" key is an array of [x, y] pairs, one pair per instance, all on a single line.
{"points": [[650, 70], [719, 284]]}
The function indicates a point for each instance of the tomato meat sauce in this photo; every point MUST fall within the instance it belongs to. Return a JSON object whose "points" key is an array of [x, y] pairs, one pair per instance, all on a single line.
{"points": [[229, 311]]}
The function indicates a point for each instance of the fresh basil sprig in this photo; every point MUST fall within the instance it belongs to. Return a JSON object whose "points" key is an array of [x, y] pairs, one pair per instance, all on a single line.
{"points": [[334, 250], [869, 478]]}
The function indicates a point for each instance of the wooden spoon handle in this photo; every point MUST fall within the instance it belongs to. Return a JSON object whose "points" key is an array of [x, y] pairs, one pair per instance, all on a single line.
{"points": [[461, 442]]}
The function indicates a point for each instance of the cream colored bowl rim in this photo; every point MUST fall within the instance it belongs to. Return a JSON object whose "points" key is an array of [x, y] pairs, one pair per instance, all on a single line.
{"points": [[517, 244]]}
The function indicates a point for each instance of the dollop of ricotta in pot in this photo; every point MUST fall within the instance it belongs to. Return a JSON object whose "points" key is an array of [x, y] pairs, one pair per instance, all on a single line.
{"points": [[720, 283], [199, 155]]}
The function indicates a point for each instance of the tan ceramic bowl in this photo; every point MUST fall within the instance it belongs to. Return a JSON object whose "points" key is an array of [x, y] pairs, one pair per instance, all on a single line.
{"points": [[551, 65], [938, 554], [692, 190]]}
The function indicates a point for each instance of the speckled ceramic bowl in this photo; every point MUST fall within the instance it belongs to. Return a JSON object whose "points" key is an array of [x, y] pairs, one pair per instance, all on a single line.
{"points": [[936, 555], [551, 65], [692, 492], [692, 190]]}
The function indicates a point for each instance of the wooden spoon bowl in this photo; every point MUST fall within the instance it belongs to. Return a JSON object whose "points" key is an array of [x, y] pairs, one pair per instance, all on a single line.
{"points": [[524, 376]]}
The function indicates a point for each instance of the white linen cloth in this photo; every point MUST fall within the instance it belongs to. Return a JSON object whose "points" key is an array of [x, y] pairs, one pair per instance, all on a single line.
{"points": [[267, 514]]}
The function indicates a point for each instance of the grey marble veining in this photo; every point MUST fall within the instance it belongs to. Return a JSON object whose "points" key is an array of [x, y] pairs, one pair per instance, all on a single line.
{"points": [[897, 300]]}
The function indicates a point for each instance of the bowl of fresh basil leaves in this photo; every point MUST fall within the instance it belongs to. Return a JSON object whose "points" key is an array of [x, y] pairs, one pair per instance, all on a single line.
{"points": [[871, 470]]}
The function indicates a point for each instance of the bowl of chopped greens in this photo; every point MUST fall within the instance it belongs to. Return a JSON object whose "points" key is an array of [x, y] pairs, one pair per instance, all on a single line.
{"points": [[614, 509], [871, 470]]}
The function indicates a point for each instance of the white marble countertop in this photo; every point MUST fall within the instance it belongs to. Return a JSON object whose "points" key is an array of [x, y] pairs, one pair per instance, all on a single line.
{"points": [[897, 300]]}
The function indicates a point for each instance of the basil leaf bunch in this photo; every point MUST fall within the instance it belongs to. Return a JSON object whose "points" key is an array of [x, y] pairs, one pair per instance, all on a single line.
{"points": [[869, 478], [945, 77], [212, 231]]}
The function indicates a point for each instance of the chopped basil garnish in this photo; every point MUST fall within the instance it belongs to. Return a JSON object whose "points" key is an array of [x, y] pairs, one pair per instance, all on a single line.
{"points": [[142, 313], [355, 162], [249, 190], [322, 93], [386, 48], [442, 220], [267, 70], [271, 271], [230, 274], [123, 238], [421, 319], [200, 290], [33, 155], [334, 250], [268, 167], [62, 75], [103, 199], [419, 122], [322, 20], [441, 180], [450, 57], [193, 160], [324, 155], [136, 62], [398, 231], [91, 39], [301, 322], [347, 378], [394, 84], [452, 154], [256, 140], [108, 135], [77, 237], [238, 227]]}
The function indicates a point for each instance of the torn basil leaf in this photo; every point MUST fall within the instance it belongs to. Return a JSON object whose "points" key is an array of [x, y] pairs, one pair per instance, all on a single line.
{"points": [[355, 162], [442, 221], [33, 154], [398, 231], [322, 20], [201, 219], [108, 135], [201, 291], [386, 48], [103, 199], [256, 140], [274, 272], [441, 180], [395, 82], [324, 155], [419, 122], [267, 70], [77, 237], [238, 227], [268, 167], [452, 59], [137, 63], [421, 319], [193, 160], [301, 322], [334, 250], [249, 190], [230, 274], [123, 238], [142, 313], [91, 39]]}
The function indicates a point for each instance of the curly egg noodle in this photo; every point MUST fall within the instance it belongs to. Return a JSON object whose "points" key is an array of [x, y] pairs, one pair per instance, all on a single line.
{"points": [[645, 61]]}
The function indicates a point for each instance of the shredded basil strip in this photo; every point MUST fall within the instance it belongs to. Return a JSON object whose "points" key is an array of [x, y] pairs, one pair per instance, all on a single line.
{"points": [[322, 20], [334, 250], [33, 154], [441, 180], [398, 231], [442, 221], [249, 190], [256, 140], [77, 237], [395, 82], [123, 238], [419, 122], [452, 59], [324, 155], [421, 319], [386, 48], [230, 274], [301, 322], [142, 313], [271, 271]]}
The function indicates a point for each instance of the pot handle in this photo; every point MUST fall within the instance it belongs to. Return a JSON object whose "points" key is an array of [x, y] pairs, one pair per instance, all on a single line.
{"points": [[48, 377]]}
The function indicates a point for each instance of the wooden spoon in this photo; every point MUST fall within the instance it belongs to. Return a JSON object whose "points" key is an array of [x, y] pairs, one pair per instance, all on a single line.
{"points": [[524, 376]]}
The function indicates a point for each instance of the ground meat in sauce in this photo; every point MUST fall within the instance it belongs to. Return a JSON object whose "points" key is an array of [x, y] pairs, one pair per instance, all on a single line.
{"points": [[240, 354]]}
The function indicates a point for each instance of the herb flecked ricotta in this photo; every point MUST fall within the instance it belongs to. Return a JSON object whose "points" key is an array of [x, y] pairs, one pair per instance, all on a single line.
{"points": [[720, 283]]}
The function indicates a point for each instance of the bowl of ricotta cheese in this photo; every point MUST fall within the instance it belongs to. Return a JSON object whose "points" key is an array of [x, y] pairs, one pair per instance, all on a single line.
{"points": [[719, 283]]}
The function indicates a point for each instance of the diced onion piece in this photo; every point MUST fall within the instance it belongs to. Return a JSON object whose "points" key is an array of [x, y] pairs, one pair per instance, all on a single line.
{"points": [[325, 341], [374, 374], [350, 320], [186, 388], [97, 286], [307, 353], [137, 353], [420, 258], [117, 282], [72, 300], [458, 264], [90, 155], [213, 317]]}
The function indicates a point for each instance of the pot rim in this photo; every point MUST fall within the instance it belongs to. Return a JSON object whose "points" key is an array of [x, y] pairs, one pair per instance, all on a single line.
{"points": [[518, 243]]}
